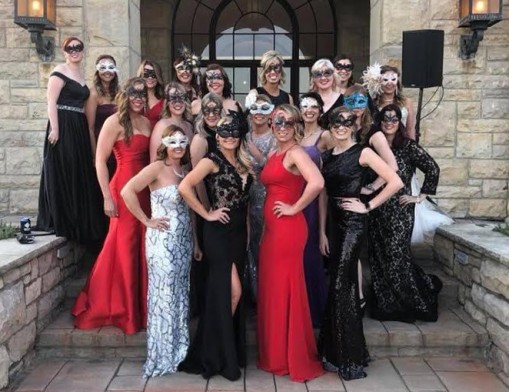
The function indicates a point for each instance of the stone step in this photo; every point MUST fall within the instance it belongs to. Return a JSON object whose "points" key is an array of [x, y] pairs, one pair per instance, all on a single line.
{"points": [[455, 333]]}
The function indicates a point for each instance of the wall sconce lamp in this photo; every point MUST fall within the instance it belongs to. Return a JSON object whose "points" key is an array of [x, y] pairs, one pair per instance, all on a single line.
{"points": [[37, 16], [478, 15]]}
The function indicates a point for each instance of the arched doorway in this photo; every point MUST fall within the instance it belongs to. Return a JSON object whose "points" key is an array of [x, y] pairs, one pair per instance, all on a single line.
{"points": [[235, 33]]}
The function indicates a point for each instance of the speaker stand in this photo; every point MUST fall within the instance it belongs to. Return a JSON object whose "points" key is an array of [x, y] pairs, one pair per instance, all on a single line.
{"points": [[418, 116]]}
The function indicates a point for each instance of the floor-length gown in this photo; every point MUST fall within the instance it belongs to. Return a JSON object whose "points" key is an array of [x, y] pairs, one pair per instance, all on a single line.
{"points": [[70, 200], [402, 290], [169, 256], [219, 345], [342, 341], [286, 344], [101, 114], [116, 289], [314, 270]]}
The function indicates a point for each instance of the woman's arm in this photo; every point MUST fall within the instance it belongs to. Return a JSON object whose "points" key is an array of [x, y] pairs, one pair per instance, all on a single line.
{"points": [[186, 189], [325, 141], [135, 185], [379, 143], [198, 150], [322, 222], [55, 85], [411, 120], [90, 113], [314, 182], [109, 134], [155, 138]]}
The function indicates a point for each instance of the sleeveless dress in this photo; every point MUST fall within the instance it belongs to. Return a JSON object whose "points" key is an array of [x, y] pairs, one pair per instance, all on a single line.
{"points": [[116, 290], [169, 256], [283, 96], [101, 114], [219, 344], [70, 200], [314, 270], [342, 341], [154, 113], [286, 344], [402, 290]]}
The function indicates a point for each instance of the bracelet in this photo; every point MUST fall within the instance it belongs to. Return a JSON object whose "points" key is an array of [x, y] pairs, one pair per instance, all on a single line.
{"points": [[367, 205], [371, 187]]}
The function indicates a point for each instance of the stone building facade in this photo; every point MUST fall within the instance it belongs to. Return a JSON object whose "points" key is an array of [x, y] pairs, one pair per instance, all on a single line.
{"points": [[468, 133]]}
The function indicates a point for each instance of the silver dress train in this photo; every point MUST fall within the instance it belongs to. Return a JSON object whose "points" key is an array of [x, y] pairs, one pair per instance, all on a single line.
{"points": [[169, 261]]}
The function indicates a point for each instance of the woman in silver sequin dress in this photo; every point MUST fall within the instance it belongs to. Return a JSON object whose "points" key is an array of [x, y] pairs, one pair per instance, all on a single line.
{"points": [[169, 248]]}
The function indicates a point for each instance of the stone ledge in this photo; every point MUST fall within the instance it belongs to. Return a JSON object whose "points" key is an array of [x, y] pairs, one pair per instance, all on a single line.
{"points": [[479, 237], [13, 254]]}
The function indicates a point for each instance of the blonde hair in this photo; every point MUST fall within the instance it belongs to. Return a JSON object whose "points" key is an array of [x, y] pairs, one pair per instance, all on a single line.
{"points": [[267, 57], [162, 152], [244, 164], [200, 122], [166, 113], [317, 66], [296, 116]]}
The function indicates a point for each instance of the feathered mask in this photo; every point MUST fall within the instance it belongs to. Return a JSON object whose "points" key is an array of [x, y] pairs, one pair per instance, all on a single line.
{"points": [[190, 61], [372, 79]]}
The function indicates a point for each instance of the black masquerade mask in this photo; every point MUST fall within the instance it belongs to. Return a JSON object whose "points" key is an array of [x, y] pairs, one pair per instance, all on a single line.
{"points": [[134, 93], [343, 122], [236, 128]]}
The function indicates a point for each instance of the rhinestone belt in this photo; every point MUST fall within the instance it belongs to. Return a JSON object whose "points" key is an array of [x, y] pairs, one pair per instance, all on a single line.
{"points": [[71, 108]]}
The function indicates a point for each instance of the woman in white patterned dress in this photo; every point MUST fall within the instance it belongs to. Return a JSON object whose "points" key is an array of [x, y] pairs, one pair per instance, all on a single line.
{"points": [[169, 246]]}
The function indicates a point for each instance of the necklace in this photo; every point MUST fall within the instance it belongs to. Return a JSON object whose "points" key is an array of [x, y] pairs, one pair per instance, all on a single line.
{"points": [[179, 175]]}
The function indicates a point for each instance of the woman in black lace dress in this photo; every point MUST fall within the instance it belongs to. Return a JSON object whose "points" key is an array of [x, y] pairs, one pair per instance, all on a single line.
{"points": [[402, 291], [341, 343], [219, 343]]}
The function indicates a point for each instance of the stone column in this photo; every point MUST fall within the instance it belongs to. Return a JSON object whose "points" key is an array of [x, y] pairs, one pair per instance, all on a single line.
{"points": [[113, 28]]}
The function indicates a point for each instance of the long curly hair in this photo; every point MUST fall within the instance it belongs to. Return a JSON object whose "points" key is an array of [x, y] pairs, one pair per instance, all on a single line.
{"points": [[159, 89], [366, 118], [113, 87], [122, 101], [399, 97], [244, 164], [227, 89], [166, 113], [296, 115], [162, 151], [400, 137]]}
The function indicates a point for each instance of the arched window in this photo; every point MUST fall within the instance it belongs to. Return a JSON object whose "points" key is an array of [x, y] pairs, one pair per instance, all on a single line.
{"points": [[235, 33]]}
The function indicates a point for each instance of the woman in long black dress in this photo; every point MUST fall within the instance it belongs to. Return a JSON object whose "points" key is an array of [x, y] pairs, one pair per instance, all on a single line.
{"points": [[402, 291], [342, 343], [219, 343], [70, 201]]}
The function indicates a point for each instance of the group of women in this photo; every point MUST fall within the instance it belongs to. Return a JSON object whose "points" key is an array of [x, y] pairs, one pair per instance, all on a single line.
{"points": [[183, 174]]}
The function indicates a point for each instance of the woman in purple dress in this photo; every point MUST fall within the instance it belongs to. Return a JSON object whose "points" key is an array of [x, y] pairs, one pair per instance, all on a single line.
{"points": [[311, 107]]}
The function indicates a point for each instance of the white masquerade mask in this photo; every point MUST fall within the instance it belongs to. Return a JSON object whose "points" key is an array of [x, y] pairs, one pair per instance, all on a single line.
{"points": [[106, 67], [261, 108], [308, 102], [392, 78], [175, 141]]}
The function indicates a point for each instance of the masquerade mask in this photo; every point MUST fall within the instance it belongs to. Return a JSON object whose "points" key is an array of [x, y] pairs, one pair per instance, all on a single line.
{"points": [[273, 67], [320, 74], [134, 93], [344, 122], [356, 101], [78, 48], [263, 108], [106, 67], [281, 122], [216, 111], [309, 103], [176, 98], [213, 76], [391, 78], [149, 73], [229, 130], [390, 119], [177, 140], [183, 68], [343, 67]]}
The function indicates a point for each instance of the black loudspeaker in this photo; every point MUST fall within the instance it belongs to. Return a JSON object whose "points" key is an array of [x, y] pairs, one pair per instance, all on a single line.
{"points": [[423, 58]]}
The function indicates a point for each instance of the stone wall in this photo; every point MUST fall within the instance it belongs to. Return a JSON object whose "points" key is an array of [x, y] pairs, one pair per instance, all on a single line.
{"points": [[479, 258], [32, 281], [468, 134]]}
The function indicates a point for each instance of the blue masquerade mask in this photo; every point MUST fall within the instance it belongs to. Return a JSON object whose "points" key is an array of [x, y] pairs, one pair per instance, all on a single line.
{"points": [[356, 101]]}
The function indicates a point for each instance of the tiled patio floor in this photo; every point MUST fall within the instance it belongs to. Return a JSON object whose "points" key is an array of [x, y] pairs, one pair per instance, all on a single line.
{"points": [[402, 374]]}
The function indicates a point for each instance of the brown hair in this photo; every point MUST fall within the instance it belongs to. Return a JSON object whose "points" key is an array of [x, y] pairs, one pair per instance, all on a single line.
{"points": [[159, 89], [366, 119], [162, 152], [113, 87], [166, 113], [122, 101]]}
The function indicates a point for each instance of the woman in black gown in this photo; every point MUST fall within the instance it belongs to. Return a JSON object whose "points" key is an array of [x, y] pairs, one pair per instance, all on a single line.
{"points": [[341, 343], [402, 291], [70, 201], [219, 343]]}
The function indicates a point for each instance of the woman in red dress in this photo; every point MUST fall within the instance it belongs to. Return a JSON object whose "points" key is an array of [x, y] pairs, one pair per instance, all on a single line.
{"points": [[116, 290], [286, 344], [153, 75]]}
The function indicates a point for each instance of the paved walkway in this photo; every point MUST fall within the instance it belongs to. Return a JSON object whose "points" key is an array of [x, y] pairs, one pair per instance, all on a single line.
{"points": [[403, 374]]}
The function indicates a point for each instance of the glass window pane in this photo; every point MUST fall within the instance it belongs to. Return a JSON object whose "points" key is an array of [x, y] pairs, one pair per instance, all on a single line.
{"points": [[284, 45], [307, 44], [303, 80], [224, 46], [185, 16], [244, 47], [242, 80], [279, 16], [201, 45], [202, 14], [288, 79], [306, 18], [227, 19], [254, 22], [263, 43]]}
